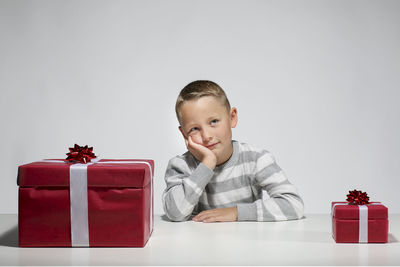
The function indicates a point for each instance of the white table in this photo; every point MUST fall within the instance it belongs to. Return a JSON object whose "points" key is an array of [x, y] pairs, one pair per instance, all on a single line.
{"points": [[302, 242]]}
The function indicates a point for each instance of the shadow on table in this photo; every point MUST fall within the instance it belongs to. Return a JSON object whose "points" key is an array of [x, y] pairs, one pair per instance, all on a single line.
{"points": [[10, 238], [165, 218], [392, 239]]}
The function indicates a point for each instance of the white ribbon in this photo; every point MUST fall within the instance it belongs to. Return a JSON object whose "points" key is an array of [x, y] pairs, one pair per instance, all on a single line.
{"points": [[79, 200], [363, 220], [363, 224]]}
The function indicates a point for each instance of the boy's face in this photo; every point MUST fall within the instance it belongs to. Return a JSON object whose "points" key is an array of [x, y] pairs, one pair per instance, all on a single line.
{"points": [[209, 123]]}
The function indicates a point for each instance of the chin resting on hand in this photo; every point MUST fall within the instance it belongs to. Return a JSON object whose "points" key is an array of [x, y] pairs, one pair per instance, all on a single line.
{"points": [[201, 153]]}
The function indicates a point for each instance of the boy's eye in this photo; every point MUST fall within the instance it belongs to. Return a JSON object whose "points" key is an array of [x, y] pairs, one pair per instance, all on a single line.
{"points": [[193, 129], [214, 121]]}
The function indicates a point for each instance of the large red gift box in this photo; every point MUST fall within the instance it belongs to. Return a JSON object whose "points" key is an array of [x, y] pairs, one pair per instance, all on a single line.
{"points": [[360, 223], [113, 209]]}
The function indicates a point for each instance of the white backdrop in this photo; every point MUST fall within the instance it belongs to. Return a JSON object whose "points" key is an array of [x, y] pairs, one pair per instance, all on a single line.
{"points": [[315, 82]]}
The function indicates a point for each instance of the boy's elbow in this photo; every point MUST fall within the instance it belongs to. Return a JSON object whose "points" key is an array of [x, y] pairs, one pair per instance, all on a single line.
{"points": [[174, 215], [297, 204], [301, 213], [299, 210], [294, 208]]}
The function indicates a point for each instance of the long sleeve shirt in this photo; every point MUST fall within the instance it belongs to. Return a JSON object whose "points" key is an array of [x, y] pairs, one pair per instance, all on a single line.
{"points": [[250, 180]]}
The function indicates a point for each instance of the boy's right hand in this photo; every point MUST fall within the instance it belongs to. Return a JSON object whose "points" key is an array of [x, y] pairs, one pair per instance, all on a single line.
{"points": [[202, 153]]}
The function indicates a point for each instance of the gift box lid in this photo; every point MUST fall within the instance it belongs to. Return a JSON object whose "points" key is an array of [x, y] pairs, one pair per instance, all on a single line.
{"points": [[104, 173], [346, 211]]}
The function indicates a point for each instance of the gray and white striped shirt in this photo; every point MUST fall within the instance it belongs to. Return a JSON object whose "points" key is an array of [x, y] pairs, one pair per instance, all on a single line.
{"points": [[250, 180]]}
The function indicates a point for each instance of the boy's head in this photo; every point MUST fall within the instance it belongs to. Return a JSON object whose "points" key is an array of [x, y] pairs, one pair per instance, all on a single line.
{"points": [[204, 113], [198, 89]]}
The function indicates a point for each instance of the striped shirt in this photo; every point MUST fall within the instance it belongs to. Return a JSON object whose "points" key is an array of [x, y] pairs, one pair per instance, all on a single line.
{"points": [[250, 180]]}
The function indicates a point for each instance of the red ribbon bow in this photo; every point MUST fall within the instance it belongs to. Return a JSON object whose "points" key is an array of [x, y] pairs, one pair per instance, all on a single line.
{"points": [[357, 197], [82, 154]]}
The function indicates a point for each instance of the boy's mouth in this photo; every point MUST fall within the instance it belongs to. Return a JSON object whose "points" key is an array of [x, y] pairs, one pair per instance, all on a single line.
{"points": [[211, 145]]}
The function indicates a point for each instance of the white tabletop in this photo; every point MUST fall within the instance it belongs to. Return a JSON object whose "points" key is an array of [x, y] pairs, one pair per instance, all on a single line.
{"points": [[301, 242]]}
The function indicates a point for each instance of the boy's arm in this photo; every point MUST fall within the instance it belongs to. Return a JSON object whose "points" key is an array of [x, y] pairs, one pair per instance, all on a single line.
{"points": [[284, 203], [184, 188]]}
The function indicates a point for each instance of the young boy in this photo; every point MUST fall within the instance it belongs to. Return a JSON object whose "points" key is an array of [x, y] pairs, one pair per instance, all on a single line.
{"points": [[219, 179]]}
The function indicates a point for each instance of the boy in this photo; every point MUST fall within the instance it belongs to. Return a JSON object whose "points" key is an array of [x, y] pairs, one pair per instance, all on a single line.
{"points": [[219, 179]]}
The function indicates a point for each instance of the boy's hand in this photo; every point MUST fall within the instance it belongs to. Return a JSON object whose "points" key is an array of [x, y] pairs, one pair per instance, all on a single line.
{"points": [[217, 215], [202, 153]]}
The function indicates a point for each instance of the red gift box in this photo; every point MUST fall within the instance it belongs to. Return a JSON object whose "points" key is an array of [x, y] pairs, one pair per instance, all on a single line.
{"points": [[113, 209], [360, 223]]}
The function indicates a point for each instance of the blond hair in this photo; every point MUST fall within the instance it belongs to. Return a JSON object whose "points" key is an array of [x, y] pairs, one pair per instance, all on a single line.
{"points": [[198, 89]]}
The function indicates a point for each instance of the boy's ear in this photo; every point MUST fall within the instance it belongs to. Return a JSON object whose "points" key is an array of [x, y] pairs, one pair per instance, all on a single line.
{"points": [[182, 132], [233, 117]]}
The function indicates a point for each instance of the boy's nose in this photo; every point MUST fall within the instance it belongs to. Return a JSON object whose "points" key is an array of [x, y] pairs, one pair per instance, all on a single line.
{"points": [[206, 136]]}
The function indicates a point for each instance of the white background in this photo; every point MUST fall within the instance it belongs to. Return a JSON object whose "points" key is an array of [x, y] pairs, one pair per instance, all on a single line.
{"points": [[315, 82]]}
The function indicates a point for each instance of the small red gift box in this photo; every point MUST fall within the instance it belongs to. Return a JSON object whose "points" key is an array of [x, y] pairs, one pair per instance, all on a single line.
{"points": [[107, 203], [359, 223]]}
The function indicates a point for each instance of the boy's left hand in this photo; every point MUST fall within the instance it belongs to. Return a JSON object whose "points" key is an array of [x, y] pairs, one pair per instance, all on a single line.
{"points": [[217, 215]]}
